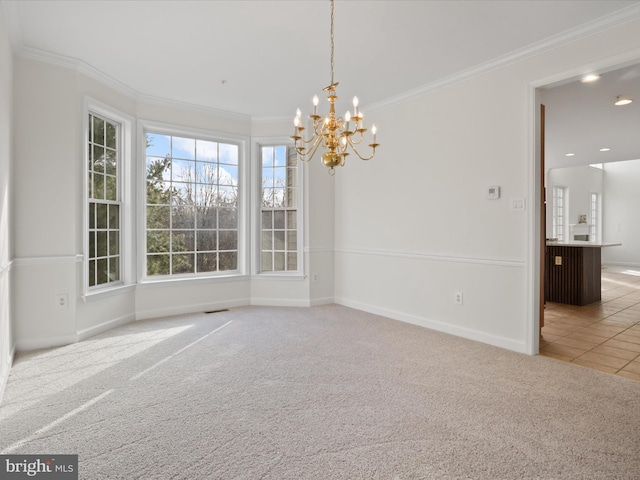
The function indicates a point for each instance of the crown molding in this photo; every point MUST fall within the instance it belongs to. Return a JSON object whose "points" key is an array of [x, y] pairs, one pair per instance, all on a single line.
{"points": [[601, 24], [78, 66], [83, 68], [165, 102]]}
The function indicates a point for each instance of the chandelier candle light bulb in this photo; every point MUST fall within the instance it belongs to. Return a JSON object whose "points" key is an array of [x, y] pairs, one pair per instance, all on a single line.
{"points": [[333, 133]]}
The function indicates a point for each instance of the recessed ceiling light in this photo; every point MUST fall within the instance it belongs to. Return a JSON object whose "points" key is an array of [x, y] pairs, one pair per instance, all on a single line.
{"points": [[620, 100], [569, 154], [591, 77], [605, 149]]}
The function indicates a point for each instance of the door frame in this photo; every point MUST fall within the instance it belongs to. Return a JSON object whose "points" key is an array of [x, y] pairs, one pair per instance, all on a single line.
{"points": [[535, 172]]}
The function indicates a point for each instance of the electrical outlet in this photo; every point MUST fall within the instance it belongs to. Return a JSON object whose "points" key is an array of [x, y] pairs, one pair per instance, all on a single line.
{"points": [[457, 298], [315, 277], [62, 300]]}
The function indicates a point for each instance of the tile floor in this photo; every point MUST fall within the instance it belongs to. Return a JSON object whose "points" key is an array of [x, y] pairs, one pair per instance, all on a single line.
{"points": [[604, 335]]}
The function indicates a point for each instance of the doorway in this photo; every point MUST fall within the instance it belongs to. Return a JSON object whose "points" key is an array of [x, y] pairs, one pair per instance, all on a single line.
{"points": [[566, 145]]}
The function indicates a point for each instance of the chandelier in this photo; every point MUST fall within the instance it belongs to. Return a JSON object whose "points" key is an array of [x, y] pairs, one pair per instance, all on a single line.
{"points": [[336, 134]]}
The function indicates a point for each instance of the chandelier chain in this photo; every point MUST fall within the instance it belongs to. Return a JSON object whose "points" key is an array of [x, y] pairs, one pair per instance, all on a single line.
{"points": [[332, 42]]}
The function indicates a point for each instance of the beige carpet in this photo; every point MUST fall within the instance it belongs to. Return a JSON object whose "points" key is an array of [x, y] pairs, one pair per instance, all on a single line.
{"points": [[320, 393]]}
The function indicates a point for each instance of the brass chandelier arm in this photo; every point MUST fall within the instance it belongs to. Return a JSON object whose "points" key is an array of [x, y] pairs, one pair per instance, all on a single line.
{"points": [[355, 150], [305, 154]]}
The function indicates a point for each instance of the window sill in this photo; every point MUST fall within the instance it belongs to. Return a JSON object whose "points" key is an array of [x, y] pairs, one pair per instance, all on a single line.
{"points": [[166, 281], [288, 277]]}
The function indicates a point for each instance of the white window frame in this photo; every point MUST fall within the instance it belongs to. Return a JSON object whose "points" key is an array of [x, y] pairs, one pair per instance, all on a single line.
{"points": [[125, 186], [595, 214], [146, 126], [256, 211], [559, 228]]}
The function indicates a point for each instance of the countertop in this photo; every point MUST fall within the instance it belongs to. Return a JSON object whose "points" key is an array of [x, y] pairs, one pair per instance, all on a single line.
{"points": [[577, 243]]}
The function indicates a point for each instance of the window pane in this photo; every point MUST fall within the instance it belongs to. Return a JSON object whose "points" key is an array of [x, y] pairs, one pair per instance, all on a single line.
{"points": [[278, 219], [278, 240], [183, 241], [183, 217], [158, 265], [92, 245], [92, 215], [292, 219], [207, 240], [228, 154], [267, 240], [206, 150], [228, 261], [207, 262], [158, 145], [101, 244], [206, 217], [280, 155], [111, 136], [102, 215], [267, 158], [111, 188], [98, 159], [92, 273], [158, 217], [110, 162], [199, 178], [98, 131], [114, 243], [292, 240], [184, 148], [158, 241], [267, 262], [228, 240], [103, 247], [278, 261], [267, 219], [227, 218], [102, 271], [114, 268], [114, 217], [292, 261], [98, 186], [182, 263]]}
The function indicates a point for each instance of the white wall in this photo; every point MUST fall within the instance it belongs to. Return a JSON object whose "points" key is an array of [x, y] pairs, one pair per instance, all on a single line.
{"points": [[6, 253], [621, 207], [413, 225]]}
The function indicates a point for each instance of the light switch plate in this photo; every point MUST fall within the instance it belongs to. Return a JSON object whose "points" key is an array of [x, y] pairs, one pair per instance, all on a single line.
{"points": [[517, 204]]}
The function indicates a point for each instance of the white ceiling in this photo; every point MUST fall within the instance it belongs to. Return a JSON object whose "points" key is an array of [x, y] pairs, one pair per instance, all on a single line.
{"points": [[264, 58], [581, 118]]}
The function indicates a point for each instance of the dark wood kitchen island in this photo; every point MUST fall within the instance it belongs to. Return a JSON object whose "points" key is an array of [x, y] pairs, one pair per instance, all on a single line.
{"points": [[573, 272]]}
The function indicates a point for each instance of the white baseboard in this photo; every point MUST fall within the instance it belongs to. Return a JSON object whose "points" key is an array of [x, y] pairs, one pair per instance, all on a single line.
{"points": [[495, 340], [321, 301], [279, 302], [103, 327], [621, 264], [182, 310], [46, 342]]}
